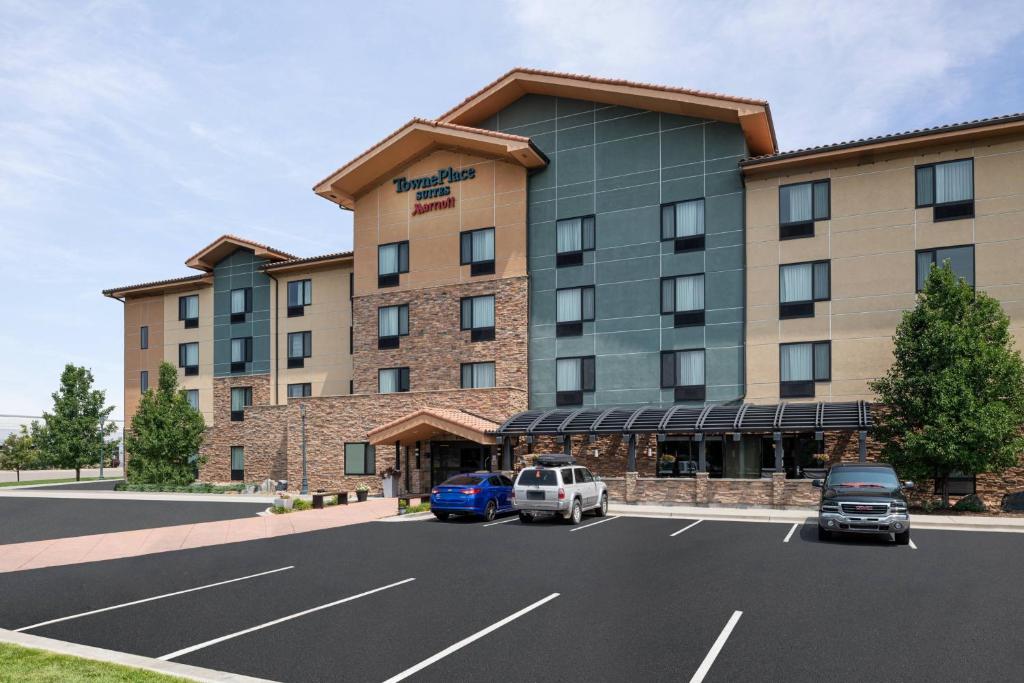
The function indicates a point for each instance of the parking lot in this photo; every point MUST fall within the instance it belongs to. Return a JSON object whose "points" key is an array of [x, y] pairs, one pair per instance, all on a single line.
{"points": [[612, 599]]}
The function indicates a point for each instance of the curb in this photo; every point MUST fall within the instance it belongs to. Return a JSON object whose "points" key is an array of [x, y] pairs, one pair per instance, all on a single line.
{"points": [[23, 487], [414, 517], [60, 647]]}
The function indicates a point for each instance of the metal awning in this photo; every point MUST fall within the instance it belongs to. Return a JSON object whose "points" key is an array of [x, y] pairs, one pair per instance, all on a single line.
{"points": [[745, 418]]}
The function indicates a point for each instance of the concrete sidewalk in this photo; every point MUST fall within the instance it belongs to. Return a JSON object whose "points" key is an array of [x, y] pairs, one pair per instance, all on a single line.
{"points": [[99, 547], [794, 515], [33, 475]]}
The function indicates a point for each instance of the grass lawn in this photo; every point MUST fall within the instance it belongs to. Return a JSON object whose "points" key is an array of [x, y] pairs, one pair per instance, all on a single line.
{"points": [[36, 666], [26, 482]]}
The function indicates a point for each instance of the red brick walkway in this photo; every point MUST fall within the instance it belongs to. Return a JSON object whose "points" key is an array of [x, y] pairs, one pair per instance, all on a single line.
{"points": [[62, 551]]}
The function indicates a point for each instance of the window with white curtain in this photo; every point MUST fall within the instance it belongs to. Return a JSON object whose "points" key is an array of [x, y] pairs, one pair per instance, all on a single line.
{"points": [[682, 368], [477, 375], [682, 219], [478, 312], [575, 374], [188, 307], [804, 202], [802, 282], [300, 293], [574, 304], [192, 396], [300, 390], [575, 234], [476, 246], [144, 381], [805, 363], [300, 344], [945, 183], [960, 260], [237, 463], [188, 355], [393, 258], [392, 380], [241, 398], [241, 350], [241, 301], [393, 321], [681, 294]]}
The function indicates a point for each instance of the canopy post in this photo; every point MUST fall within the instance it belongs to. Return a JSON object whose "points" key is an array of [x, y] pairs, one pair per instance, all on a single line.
{"points": [[631, 461]]}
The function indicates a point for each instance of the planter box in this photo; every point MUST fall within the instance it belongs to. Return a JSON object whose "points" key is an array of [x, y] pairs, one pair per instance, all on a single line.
{"points": [[285, 503]]}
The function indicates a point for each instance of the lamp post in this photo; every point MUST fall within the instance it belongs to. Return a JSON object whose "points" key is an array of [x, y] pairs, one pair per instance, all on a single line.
{"points": [[305, 480], [102, 447]]}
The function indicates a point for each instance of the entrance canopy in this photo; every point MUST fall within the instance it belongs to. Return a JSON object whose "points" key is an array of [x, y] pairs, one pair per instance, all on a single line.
{"points": [[715, 419], [427, 423]]}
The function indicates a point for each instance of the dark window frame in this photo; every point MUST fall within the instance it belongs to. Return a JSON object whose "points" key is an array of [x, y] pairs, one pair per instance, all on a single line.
{"points": [[575, 258], [937, 207], [237, 475], [144, 337], [574, 328], [240, 366], [144, 381], [803, 309], [462, 373], [239, 415], [404, 380], [307, 390], [485, 267], [789, 230], [190, 323], [369, 460], [182, 358], [933, 251], [392, 279], [804, 388], [391, 341], [477, 333], [240, 316], [306, 286], [588, 381], [307, 349], [691, 318], [686, 243], [683, 392]]}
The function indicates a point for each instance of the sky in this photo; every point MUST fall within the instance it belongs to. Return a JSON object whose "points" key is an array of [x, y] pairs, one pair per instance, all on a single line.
{"points": [[132, 134]]}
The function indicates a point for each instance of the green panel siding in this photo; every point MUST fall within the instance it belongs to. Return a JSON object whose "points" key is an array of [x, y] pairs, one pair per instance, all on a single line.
{"points": [[621, 164], [241, 269]]}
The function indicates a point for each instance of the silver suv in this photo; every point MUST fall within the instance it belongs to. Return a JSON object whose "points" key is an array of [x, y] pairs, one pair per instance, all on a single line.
{"points": [[556, 485]]}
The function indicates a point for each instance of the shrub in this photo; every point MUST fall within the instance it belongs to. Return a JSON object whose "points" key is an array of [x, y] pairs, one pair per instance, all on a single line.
{"points": [[300, 504]]}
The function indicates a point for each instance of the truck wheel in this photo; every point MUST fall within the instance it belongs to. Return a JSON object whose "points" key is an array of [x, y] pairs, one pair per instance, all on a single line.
{"points": [[602, 509], [903, 538], [443, 516], [824, 534], [525, 518], [575, 512], [490, 511]]}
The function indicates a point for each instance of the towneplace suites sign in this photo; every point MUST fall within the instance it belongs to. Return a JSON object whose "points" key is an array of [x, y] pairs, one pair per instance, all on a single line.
{"points": [[434, 186]]}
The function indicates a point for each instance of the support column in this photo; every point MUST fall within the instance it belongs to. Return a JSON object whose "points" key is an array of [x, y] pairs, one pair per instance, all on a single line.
{"points": [[631, 460], [567, 444], [506, 454], [862, 446], [702, 453], [779, 461]]}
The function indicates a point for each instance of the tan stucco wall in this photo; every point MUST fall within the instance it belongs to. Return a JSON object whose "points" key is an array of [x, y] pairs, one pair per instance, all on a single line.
{"points": [[496, 197], [175, 333], [139, 312], [329, 317], [871, 241]]}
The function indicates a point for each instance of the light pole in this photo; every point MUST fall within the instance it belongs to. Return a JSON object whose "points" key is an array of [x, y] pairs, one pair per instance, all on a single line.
{"points": [[102, 447], [305, 480]]}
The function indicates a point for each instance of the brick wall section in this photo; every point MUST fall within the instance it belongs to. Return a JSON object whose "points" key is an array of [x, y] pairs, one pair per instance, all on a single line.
{"points": [[435, 346], [258, 436]]}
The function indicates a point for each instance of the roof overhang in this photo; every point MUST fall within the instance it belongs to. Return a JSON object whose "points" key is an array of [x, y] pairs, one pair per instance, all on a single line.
{"points": [[225, 245], [160, 287], [425, 423], [870, 149], [414, 140], [753, 116], [310, 263]]}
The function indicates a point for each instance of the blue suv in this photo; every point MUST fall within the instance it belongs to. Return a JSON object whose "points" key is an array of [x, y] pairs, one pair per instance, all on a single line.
{"points": [[484, 495]]}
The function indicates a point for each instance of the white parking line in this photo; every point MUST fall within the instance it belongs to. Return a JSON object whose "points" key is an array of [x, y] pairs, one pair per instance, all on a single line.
{"points": [[709, 659], [466, 641], [208, 643], [686, 527], [912, 544], [503, 521], [790, 534], [155, 597], [581, 528]]}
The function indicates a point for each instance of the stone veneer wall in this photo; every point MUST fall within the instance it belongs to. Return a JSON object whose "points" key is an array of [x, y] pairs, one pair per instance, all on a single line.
{"points": [[435, 346], [256, 433]]}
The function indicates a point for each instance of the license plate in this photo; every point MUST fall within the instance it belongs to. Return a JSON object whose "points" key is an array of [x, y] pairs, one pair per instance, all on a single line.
{"points": [[535, 495]]}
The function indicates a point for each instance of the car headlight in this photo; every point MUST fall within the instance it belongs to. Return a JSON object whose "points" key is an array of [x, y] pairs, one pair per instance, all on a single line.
{"points": [[898, 508], [830, 507]]}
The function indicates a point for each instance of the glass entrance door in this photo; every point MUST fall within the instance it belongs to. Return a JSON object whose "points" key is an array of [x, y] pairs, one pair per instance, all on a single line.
{"points": [[449, 458]]}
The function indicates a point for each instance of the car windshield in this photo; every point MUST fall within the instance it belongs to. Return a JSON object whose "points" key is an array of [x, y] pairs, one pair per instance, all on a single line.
{"points": [[874, 478], [463, 480], [538, 477]]}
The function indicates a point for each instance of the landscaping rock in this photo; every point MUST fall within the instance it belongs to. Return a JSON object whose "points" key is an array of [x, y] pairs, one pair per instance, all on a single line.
{"points": [[971, 503], [1013, 502]]}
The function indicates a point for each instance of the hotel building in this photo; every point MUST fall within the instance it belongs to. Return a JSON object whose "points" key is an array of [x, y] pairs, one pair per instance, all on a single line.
{"points": [[628, 272]]}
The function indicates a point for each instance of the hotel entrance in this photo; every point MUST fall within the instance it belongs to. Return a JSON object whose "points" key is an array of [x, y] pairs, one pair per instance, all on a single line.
{"points": [[448, 458]]}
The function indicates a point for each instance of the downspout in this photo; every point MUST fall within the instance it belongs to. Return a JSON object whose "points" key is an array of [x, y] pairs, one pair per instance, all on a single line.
{"points": [[277, 339], [124, 428]]}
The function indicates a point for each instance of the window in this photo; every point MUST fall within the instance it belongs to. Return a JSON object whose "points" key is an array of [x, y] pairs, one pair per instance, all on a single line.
{"points": [[800, 205], [188, 310], [144, 337], [241, 353], [300, 390], [241, 303], [801, 365], [573, 307], [241, 398], [800, 285], [392, 380], [237, 463], [574, 236], [144, 380], [948, 188], [359, 459], [188, 357], [476, 249], [683, 371], [478, 317], [959, 484], [477, 375], [573, 376], [683, 297], [684, 223], [192, 396], [960, 259], [300, 295], [300, 347], [392, 260], [567, 475], [392, 324], [678, 458]]}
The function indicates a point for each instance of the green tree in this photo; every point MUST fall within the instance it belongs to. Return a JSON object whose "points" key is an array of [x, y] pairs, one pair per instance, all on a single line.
{"points": [[954, 395], [165, 435], [75, 434], [18, 452]]}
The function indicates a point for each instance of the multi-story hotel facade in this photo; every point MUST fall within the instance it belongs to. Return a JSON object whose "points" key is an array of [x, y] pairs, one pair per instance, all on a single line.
{"points": [[628, 272]]}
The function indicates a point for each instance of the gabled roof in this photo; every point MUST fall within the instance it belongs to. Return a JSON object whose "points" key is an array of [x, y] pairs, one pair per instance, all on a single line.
{"points": [[212, 254], [412, 141], [952, 132], [309, 261], [753, 116], [422, 423], [160, 286]]}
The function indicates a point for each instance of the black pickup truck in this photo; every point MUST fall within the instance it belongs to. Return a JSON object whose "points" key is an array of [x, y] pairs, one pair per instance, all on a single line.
{"points": [[863, 498]]}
